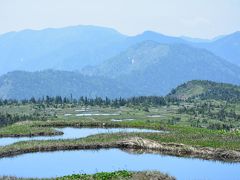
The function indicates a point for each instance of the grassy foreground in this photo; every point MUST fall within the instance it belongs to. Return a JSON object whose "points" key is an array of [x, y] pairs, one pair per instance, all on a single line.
{"points": [[120, 175], [197, 137], [128, 141], [180, 132]]}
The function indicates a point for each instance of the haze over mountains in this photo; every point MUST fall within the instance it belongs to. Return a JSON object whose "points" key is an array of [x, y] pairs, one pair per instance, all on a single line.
{"points": [[113, 64], [72, 48], [152, 68], [227, 47]]}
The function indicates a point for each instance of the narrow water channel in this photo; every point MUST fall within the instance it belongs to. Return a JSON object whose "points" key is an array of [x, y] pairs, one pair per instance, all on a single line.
{"points": [[72, 133]]}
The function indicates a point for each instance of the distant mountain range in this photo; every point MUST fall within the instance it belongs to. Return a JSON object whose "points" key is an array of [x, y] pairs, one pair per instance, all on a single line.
{"points": [[227, 47], [147, 68], [68, 48], [151, 68], [73, 48], [96, 61]]}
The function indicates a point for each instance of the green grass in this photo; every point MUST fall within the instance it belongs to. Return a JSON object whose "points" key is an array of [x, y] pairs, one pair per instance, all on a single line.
{"points": [[117, 175], [25, 129], [100, 176], [197, 137], [179, 132]]}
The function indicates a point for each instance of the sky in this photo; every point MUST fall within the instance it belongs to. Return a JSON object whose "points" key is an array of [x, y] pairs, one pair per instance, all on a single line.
{"points": [[194, 18]]}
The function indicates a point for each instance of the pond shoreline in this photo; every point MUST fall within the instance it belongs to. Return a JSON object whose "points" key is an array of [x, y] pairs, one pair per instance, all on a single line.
{"points": [[137, 145], [133, 144], [57, 132], [75, 133], [54, 133]]}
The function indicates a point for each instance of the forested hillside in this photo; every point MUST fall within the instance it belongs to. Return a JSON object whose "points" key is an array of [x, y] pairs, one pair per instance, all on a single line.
{"points": [[207, 90]]}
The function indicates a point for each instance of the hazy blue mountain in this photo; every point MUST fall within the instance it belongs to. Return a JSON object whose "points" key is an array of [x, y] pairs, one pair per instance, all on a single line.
{"points": [[154, 36], [20, 85], [147, 68], [227, 47], [196, 40], [150, 68], [68, 48], [224, 46], [73, 48]]}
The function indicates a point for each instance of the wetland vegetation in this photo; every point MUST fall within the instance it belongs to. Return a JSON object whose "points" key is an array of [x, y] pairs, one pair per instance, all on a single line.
{"points": [[123, 174], [197, 123]]}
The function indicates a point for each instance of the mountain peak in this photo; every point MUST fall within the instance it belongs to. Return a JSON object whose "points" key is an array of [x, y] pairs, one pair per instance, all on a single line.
{"points": [[152, 68], [151, 33]]}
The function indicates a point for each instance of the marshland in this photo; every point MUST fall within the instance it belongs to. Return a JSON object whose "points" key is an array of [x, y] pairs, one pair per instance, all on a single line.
{"points": [[166, 134]]}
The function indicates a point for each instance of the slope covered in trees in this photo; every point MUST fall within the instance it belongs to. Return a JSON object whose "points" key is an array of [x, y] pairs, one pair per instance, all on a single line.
{"points": [[151, 68], [207, 90], [145, 69], [21, 85]]}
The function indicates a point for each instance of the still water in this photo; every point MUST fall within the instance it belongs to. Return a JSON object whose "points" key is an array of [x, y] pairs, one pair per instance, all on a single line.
{"points": [[60, 163], [72, 133]]}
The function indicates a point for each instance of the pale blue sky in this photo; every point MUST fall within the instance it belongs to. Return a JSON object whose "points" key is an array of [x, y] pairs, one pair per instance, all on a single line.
{"points": [[195, 18]]}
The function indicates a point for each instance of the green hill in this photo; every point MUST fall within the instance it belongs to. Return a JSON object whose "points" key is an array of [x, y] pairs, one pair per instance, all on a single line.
{"points": [[206, 90]]}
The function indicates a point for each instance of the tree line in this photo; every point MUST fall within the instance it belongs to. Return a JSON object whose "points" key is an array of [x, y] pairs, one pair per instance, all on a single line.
{"points": [[85, 101], [6, 118]]}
